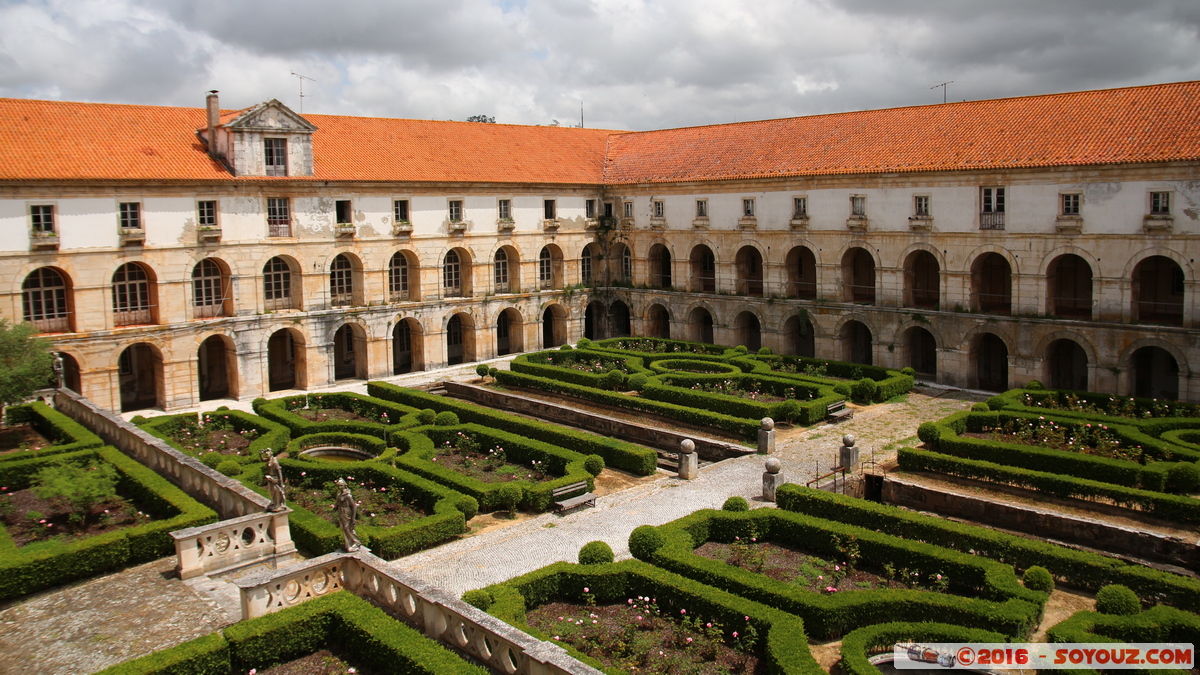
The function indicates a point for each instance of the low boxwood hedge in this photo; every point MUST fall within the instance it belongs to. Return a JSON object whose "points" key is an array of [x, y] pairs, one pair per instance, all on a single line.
{"points": [[616, 453], [49, 563], [861, 643], [890, 382], [784, 645], [1089, 571], [282, 411], [368, 444], [65, 434], [1157, 624], [271, 435], [1003, 604]]}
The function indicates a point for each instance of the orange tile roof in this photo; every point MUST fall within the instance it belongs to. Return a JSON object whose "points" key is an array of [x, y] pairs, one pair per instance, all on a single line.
{"points": [[1157, 123], [52, 140]]}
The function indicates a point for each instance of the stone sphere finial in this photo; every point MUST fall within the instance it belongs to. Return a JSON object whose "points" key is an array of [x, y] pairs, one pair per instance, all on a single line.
{"points": [[688, 446], [768, 424], [848, 440], [773, 465]]}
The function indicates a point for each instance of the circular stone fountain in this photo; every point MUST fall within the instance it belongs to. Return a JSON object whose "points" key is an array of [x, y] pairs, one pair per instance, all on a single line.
{"points": [[336, 453]]}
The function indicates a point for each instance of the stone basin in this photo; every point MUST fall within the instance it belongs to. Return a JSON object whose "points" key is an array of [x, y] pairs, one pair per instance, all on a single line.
{"points": [[336, 453]]}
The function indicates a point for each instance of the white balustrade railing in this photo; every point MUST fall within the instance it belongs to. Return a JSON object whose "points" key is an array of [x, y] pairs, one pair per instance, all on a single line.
{"points": [[438, 614], [233, 543]]}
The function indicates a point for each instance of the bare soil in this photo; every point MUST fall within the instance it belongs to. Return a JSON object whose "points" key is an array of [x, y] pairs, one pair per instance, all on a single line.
{"points": [[201, 441], [376, 506], [29, 518], [330, 415], [318, 663], [790, 565], [21, 438]]}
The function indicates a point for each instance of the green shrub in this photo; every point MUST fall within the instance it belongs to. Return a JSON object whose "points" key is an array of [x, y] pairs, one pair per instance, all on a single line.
{"points": [[980, 407], [593, 464], [735, 503], [583, 343], [468, 505], [765, 351], [492, 372], [928, 432], [637, 382], [427, 416], [212, 459], [445, 419], [741, 350], [595, 553], [1038, 578], [787, 411], [1117, 599], [644, 541], [864, 390], [509, 496], [908, 370], [230, 468], [76, 487], [613, 380], [842, 388], [481, 370], [478, 598], [1184, 478], [1035, 385]]}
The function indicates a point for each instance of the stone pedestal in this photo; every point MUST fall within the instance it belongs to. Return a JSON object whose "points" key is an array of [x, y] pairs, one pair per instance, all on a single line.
{"points": [[689, 466], [766, 437], [848, 455], [772, 478]]}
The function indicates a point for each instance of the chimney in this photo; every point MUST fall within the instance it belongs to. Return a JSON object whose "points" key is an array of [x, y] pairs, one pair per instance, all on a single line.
{"points": [[214, 118]]}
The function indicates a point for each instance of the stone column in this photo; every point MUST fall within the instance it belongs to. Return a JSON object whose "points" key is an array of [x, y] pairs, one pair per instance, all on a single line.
{"points": [[688, 463], [766, 437], [848, 455], [771, 478]]}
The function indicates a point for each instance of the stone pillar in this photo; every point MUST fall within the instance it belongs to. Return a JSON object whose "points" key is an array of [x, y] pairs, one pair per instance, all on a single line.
{"points": [[848, 455], [771, 478], [688, 463], [766, 437]]}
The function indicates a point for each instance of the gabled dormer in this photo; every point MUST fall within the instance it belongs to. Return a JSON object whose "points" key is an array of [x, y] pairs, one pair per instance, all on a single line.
{"points": [[268, 139]]}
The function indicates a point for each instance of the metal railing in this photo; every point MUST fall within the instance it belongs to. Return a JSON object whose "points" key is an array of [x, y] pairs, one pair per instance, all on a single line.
{"points": [[991, 220]]}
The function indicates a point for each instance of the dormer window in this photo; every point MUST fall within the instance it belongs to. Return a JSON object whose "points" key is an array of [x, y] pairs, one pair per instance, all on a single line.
{"points": [[276, 156]]}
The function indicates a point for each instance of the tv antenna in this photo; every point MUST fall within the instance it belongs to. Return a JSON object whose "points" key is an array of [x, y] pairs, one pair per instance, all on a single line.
{"points": [[942, 85], [302, 79]]}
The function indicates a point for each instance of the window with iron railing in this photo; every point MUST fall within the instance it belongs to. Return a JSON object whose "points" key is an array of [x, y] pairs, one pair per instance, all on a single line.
{"points": [[452, 276], [208, 290], [131, 296], [500, 275], [341, 281], [398, 277], [545, 269], [279, 217], [991, 215], [44, 301], [277, 285]]}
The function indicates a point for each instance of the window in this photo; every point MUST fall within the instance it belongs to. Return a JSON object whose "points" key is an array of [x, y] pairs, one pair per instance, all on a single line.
{"points": [[748, 208], [799, 207], [701, 208], [626, 265], [501, 271], [585, 266], [206, 214], [277, 284], [452, 275], [131, 295], [276, 156], [921, 206], [858, 206], [504, 209], [456, 210], [208, 289], [1070, 204], [608, 210], [550, 207], [660, 209], [628, 209], [590, 209], [279, 217], [1160, 203], [131, 215], [44, 301], [344, 212], [42, 218], [341, 281], [400, 210], [991, 216], [545, 269], [398, 277]]}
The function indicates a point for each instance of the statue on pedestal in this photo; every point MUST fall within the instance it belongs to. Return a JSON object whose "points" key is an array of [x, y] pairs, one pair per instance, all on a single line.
{"points": [[347, 512]]}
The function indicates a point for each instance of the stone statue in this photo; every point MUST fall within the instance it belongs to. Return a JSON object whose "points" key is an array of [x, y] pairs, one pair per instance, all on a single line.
{"points": [[273, 468], [59, 368], [347, 513], [278, 499]]}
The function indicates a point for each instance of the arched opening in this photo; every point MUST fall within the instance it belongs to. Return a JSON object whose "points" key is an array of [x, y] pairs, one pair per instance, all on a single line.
{"points": [[922, 280], [345, 288], [660, 266], [402, 278], [593, 321], [991, 284], [506, 266], [1155, 374], [704, 270], [210, 289], [286, 367], [658, 322], [456, 274], [460, 339], [408, 347], [281, 284], [802, 273], [140, 374], [619, 317], [858, 277], [509, 332], [1069, 287], [554, 326], [989, 355], [748, 331], [46, 301], [1158, 285], [589, 265], [71, 375], [550, 268], [700, 326], [920, 351], [350, 353], [856, 343], [134, 296], [749, 272], [216, 368], [1066, 365], [798, 337], [621, 264]]}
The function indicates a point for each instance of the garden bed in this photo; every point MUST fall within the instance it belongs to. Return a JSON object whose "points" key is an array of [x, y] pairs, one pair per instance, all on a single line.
{"points": [[29, 518], [214, 434], [464, 454], [803, 570], [21, 438], [377, 506], [323, 662]]}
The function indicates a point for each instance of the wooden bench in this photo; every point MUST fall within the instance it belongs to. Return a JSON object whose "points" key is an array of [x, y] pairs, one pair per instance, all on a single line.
{"points": [[562, 502], [836, 412]]}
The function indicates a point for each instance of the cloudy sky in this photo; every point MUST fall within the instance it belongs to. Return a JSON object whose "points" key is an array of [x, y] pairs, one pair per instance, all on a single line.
{"points": [[635, 64]]}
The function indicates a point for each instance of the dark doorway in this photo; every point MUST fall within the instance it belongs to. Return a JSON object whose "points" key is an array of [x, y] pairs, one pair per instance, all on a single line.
{"points": [[141, 377], [991, 284], [749, 332], [1069, 287], [346, 353], [922, 351], [1067, 366], [991, 363], [856, 343], [619, 315], [1155, 374], [214, 362], [922, 280], [285, 361], [1158, 285]]}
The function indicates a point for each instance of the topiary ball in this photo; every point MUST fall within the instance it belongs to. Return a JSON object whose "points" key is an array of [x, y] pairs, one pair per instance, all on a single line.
{"points": [[481, 370], [741, 350], [1038, 578], [583, 343], [1035, 385], [212, 459], [788, 410], [426, 416], [765, 351], [509, 496], [736, 504], [908, 370], [928, 432], [492, 371], [842, 389], [593, 464], [981, 407], [637, 382], [445, 419], [644, 541], [613, 379], [229, 468], [1117, 599], [468, 505], [565, 348], [478, 598], [1184, 478], [595, 553]]}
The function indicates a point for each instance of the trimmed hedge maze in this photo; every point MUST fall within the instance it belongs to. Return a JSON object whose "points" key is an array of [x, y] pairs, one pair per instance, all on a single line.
{"points": [[1134, 453], [705, 385], [65, 434]]}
